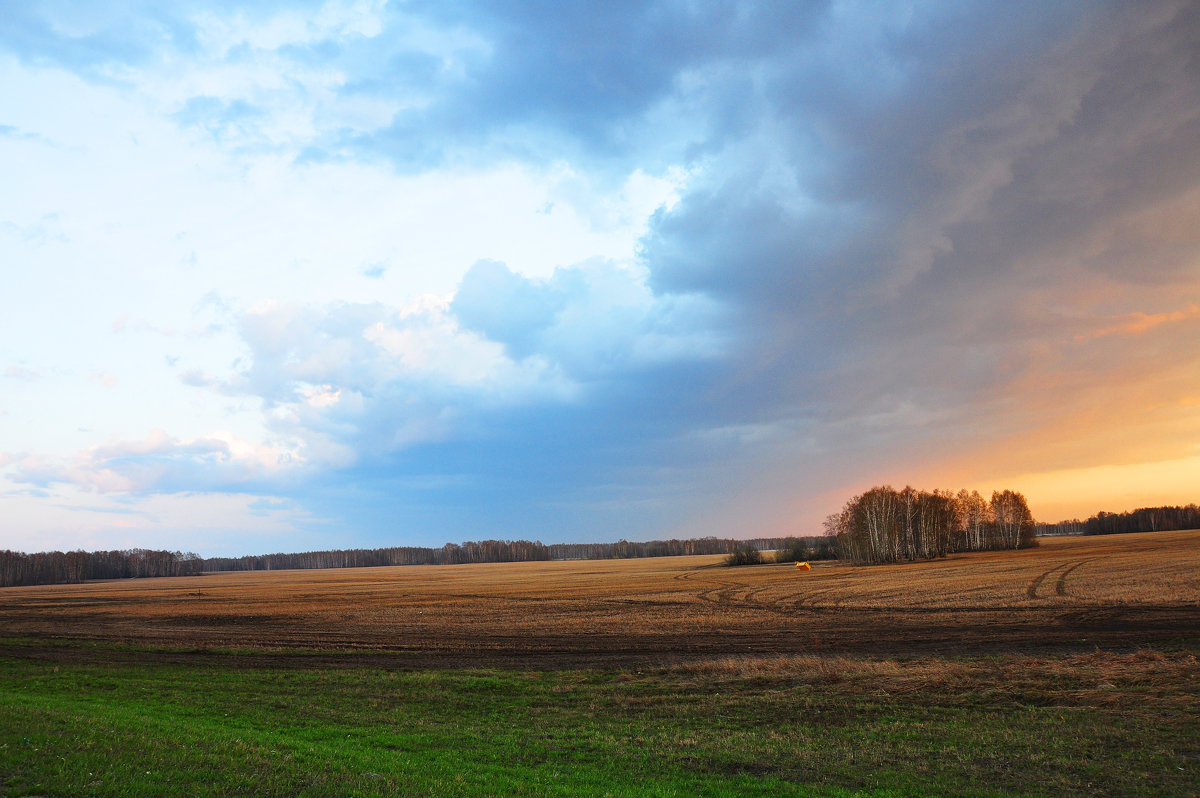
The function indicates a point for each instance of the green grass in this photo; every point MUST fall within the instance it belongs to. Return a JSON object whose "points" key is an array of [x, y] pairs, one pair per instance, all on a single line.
{"points": [[140, 728]]}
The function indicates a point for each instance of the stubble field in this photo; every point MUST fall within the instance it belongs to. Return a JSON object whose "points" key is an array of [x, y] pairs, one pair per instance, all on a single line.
{"points": [[1069, 669], [1067, 594]]}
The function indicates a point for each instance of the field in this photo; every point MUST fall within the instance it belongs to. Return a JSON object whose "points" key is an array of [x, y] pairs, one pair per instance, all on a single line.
{"points": [[1066, 669], [1068, 594]]}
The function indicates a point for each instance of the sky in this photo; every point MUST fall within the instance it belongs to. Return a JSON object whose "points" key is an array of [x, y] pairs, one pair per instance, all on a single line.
{"points": [[295, 276]]}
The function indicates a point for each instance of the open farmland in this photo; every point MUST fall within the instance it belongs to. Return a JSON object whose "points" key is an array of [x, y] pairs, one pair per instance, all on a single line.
{"points": [[1068, 594], [1070, 669]]}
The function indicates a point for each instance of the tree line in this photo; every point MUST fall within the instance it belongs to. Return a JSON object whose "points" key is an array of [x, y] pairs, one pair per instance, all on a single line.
{"points": [[885, 525], [57, 567], [450, 554], [1143, 519], [879, 526], [486, 551]]}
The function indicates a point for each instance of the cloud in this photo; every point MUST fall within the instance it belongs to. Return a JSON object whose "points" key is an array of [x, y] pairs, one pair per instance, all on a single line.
{"points": [[919, 258], [366, 381], [444, 404], [46, 230], [592, 321], [287, 26], [16, 133], [506, 307], [934, 194], [1138, 323], [871, 244], [20, 373], [102, 378], [197, 378], [232, 120], [420, 85], [163, 464], [65, 518]]}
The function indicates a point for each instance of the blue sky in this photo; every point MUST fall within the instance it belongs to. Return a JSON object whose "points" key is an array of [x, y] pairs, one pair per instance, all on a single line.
{"points": [[343, 274]]}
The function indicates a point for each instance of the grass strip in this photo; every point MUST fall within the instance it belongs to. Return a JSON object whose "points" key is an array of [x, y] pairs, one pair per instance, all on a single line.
{"points": [[1117, 724]]}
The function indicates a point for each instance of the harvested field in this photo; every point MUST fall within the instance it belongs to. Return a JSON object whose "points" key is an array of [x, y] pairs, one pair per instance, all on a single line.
{"points": [[1070, 594]]}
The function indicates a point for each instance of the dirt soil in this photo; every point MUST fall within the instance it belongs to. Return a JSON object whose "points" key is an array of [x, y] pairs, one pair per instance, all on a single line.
{"points": [[1115, 593]]}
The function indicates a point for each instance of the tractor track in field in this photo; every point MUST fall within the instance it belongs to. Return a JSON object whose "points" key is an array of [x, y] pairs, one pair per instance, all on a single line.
{"points": [[1060, 585], [738, 595], [804, 600], [807, 599]]}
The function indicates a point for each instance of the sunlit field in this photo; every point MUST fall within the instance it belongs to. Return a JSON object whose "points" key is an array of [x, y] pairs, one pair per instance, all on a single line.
{"points": [[1066, 669], [1122, 590]]}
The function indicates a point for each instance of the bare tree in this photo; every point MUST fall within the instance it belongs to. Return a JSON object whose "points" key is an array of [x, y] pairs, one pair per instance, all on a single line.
{"points": [[1012, 520]]}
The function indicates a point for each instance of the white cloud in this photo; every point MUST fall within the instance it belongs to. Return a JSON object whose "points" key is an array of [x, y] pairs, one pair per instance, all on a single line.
{"points": [[66, 517], [20, 373], [334, 20], [161, 463]]}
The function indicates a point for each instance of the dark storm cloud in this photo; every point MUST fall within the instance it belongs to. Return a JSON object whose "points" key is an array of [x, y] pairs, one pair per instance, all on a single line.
{"points": [[953, 208]]}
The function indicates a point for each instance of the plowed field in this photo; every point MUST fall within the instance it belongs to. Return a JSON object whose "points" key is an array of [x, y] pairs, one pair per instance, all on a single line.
{"points": [[1069, 594]]}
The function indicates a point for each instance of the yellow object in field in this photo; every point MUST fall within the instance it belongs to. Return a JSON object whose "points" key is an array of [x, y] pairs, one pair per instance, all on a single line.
{"points": [[803, 566]]}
